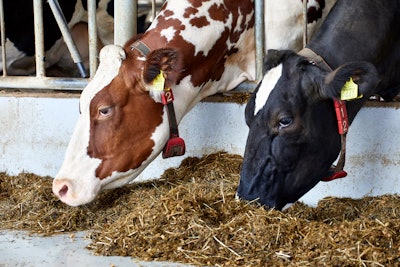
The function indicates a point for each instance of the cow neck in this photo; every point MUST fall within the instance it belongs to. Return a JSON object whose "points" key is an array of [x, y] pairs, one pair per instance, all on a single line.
{"points": [[175, 145], [337, 171]]}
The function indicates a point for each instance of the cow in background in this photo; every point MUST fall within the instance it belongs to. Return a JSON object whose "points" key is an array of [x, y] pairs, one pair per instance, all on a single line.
{"points": [[194, 49], [293, 130], [284, 21], [20, 41]]}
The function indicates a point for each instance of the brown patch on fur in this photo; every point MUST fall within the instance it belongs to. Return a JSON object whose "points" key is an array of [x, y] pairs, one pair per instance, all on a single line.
{"points": [[199, 22], [122, 141], [190, 11], [219, 13], [168, 13], [196, 3]]}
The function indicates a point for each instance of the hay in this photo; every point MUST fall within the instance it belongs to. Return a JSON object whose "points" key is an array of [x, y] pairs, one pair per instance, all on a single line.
{"points": [[190, 216], [229, 97]]}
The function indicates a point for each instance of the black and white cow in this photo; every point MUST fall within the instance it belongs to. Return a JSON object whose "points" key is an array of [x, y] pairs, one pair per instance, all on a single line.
{"points": [[20, 41], [293, 137]]}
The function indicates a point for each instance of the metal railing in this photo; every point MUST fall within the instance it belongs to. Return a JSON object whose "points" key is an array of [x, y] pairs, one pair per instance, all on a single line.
{"points": [[125, 25]]}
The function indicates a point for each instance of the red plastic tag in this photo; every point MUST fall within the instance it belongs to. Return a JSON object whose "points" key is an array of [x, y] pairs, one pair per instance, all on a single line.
{"points": [[167, 96], [341, 116], [336, 175], [174, 147]]}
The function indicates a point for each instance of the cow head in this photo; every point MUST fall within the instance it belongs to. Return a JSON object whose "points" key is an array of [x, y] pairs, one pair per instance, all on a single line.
{"points": [[123, 126], [120, 121], [293, 136]]}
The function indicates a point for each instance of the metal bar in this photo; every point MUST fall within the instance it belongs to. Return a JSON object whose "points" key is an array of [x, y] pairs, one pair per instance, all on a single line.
{"points": [[63, 26], [245, 87], [153, 10], [39, 39], [3, 39], [259, 35], [32, 82], [93, 53], [305, 21], [125, 20]]}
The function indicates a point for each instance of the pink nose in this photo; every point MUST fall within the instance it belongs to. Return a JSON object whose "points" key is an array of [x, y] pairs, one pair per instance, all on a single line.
{"points": [[63, 191], [60, 188]]}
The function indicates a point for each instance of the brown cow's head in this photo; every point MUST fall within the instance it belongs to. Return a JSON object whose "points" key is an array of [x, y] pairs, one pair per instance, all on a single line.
{"points": [[201, 46], [121, 128]]}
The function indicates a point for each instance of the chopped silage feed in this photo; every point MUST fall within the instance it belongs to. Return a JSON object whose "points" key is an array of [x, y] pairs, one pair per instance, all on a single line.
{"points": [[190, 215]]}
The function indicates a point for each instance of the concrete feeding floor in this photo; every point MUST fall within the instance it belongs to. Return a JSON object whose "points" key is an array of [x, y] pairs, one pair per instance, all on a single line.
{"points": [[21, 249]]}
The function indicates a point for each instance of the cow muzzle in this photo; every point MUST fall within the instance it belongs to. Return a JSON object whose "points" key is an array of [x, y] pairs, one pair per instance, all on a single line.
{"points": [[71, 194]]}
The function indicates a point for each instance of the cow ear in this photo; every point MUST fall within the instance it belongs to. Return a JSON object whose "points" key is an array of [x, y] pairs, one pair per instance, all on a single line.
{"points": [[360, 76], [275, 57], [167, 60]]}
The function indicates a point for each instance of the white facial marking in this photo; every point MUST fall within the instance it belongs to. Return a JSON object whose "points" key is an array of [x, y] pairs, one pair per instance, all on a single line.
{"points": [[111, 57], [267, 85], [78, 169]]}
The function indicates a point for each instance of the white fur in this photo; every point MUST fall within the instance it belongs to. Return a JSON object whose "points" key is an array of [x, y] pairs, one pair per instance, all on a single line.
{"points": [[284, 23], [267, 85], [194, 35], [168, 33]]}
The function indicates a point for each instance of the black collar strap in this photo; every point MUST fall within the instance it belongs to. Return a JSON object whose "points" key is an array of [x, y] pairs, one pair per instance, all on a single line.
{"points": [[337, 171], [175, 145]]}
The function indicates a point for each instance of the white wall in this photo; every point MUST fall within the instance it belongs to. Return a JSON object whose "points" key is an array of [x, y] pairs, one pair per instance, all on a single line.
{"points": [[34, 133]]}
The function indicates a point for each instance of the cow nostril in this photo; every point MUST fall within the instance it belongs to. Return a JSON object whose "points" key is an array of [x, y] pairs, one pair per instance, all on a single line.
{"points": [[63, 191]]}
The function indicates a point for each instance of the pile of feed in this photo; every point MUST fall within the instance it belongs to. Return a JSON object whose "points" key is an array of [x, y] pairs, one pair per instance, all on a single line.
{"points": [[190, 216]]}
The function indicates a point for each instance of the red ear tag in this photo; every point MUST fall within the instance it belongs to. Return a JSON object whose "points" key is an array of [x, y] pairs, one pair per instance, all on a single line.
{"points": [[335, 175], [174, 147], [167, 96]]}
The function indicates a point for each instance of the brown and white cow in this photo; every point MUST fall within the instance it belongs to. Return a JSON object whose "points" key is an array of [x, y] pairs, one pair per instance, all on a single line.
{"points": [[201, 47]]}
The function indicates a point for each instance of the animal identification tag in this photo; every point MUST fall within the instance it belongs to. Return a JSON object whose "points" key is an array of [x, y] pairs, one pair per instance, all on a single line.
{"points": [[159, 81], [349, 90], [341, 116], [167, 96]]}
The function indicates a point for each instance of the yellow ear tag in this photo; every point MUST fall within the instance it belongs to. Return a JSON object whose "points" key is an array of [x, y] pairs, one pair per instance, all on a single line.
{"points": [[349, 91], [159, 81]]}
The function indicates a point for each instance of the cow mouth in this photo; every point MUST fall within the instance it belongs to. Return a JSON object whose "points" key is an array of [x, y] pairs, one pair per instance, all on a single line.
{"points": [[257, 189]]}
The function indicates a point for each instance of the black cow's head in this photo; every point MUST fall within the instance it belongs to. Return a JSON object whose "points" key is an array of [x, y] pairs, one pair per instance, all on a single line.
{"points": [[293, 136]]}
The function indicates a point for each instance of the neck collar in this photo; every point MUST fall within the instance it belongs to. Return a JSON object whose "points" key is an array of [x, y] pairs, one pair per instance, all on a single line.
{"points": [[141, 47], [335, 172], [175, 145]]}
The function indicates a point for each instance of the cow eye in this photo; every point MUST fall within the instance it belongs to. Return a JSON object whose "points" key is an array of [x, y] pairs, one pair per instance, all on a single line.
{"points": [[285, 122], [105, 111]]}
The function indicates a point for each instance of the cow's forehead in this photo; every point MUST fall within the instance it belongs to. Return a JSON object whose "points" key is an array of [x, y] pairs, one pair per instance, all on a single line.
{"points": [[268, 83], [111, 57]]}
